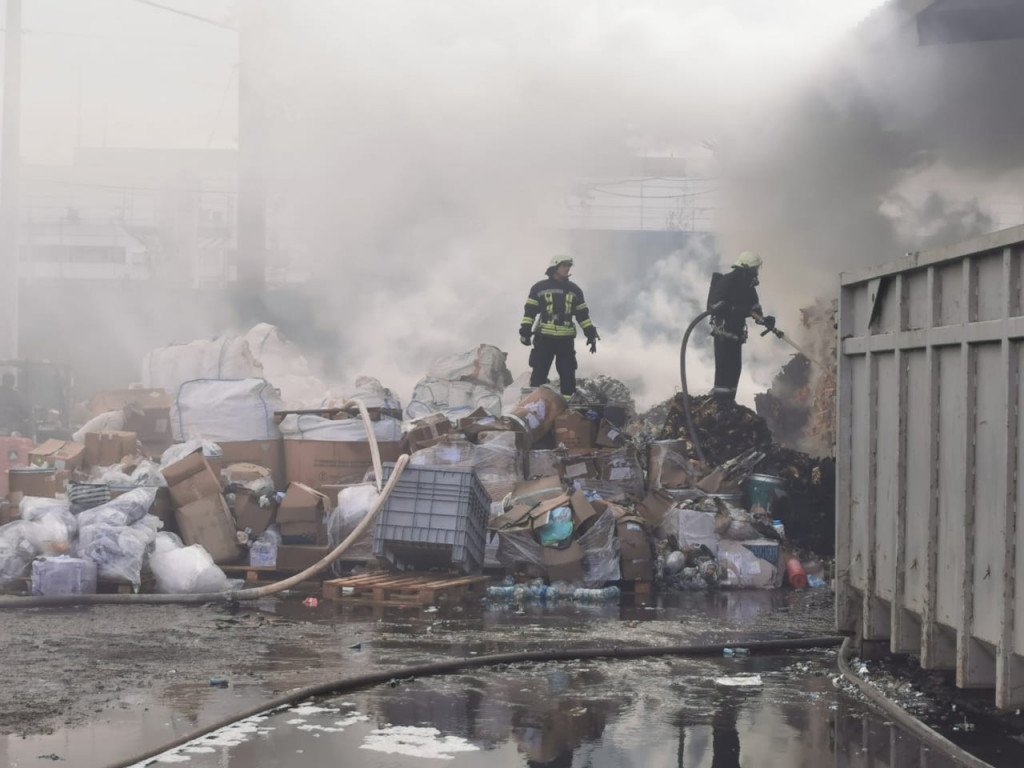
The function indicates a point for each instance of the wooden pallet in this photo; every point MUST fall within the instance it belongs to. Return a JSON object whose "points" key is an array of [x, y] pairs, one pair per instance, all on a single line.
{"points": [[395, 589]]}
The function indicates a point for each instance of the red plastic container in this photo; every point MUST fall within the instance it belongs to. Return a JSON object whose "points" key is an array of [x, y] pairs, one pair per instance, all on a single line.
{"points": [[795, 575]]}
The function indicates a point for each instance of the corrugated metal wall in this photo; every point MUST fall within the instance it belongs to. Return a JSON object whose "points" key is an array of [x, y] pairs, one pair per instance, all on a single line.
{"points": [[929, 518]]}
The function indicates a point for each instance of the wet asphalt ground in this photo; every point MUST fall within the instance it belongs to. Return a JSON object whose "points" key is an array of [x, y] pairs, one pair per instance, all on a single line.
{"points": [[89, 687]]}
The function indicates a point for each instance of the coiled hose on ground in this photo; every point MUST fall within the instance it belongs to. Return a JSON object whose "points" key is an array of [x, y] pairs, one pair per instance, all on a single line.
{"points": [[239, 595], [685, 391], [349, 684]]}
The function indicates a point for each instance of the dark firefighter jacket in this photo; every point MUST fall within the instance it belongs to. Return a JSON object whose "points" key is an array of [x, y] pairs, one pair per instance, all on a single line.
{"points": [[738, 296], [557, 302]]}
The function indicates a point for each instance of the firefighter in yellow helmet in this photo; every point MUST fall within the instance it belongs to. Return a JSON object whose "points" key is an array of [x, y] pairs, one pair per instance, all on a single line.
{"points": [[553, 304]]}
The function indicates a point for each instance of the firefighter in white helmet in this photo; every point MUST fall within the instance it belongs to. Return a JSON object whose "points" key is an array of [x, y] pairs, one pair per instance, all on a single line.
{"points": [[731, 300], [553, 304]]}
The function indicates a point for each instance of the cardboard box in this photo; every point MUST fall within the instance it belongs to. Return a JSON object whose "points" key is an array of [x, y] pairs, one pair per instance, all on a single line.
{"points": [[637, 562], [563, 564], [318, 463], [265, 453], [583, 512], [655, 507], [36, 481], [609, 436], [116, 399], [294, 557], [668, 466], [532, 492], [579, 468], [301, 517], [208, 522], [250, 515], [58, 454], [244, 473], [574, 430], [517, 518], [428, 431], [191, 479], [102, 449]]}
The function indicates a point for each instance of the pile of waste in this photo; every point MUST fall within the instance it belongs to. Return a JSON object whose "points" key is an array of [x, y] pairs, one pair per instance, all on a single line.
{"points": [[169, 489]]}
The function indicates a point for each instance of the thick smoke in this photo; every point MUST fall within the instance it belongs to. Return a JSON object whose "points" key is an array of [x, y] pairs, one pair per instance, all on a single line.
{"points": [[419, 157]]}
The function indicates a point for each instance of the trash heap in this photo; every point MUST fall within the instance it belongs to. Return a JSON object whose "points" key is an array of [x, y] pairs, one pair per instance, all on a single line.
{"points": [[176, 490]]}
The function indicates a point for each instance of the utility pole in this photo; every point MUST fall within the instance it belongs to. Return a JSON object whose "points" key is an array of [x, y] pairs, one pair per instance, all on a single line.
{"points": [[10, 166], [252, 163]]}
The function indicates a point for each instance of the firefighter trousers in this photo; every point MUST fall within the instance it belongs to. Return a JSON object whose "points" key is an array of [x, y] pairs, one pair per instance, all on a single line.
{"points": [[562, 352], [728, 365]]}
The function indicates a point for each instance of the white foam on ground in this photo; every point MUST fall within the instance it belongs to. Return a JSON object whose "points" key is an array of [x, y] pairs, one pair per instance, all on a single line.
{"points": [[351, 720], [740, 681], [416, 742], [311, 709]]}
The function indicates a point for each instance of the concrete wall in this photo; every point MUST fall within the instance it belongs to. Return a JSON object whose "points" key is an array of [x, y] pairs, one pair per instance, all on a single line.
{"points": [[929, 518]]}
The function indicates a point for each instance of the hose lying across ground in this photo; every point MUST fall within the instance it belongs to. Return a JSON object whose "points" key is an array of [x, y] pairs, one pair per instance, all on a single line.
{"points": [[239, 595], [349, 684], [904, 719], [453, 666]]}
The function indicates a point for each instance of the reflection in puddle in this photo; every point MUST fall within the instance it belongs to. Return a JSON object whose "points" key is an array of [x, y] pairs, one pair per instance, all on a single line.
{"points": [[649, 712]]}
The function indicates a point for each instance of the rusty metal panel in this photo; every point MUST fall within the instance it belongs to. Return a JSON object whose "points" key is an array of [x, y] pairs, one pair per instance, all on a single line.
{"points": [[930, 520]]}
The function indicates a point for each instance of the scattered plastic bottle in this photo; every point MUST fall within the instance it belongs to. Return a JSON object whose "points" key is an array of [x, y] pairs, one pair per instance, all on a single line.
{"points": [[602, 595], [815, 582], [735, 652]]}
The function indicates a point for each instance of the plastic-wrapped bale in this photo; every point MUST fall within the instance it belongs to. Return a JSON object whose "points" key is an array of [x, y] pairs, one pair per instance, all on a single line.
{"points": [[181, 570], [484, 365], [63, 575], [455, 399], [117, 535], [612, 474], [226, 357], [226, 410]]}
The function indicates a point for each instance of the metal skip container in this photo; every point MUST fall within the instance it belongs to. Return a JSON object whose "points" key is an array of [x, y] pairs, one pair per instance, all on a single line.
{"points": [[929, 510]]}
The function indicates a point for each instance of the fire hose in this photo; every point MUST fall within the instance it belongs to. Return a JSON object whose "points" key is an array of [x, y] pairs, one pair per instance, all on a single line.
{"points": [[239, 595]]}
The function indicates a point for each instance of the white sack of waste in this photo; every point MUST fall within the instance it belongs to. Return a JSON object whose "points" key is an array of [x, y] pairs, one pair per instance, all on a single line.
{"points": [[308, 426], [225, 411], [111, 421], [743, 567], [181, 570]]}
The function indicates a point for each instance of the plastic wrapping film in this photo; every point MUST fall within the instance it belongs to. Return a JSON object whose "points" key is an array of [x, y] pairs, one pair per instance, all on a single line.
{"points": [[235, 410], [455, 399], [544, 463], [620, 475], [744, 568], [308, 426], [117, 535], [16, 552], [600, 551], [519, 552], [668, 467], [354, 504], [111, 421], [496, 461], [179, 451], [51, 531], [483, 365], [184, 570]]}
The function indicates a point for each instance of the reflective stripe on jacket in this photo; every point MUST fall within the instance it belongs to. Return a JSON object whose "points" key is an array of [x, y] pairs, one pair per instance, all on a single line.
{"points": [[554, 304]]}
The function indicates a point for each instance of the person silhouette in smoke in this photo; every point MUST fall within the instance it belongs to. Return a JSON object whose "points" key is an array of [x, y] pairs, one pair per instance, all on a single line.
{"points": [[15, 414]]}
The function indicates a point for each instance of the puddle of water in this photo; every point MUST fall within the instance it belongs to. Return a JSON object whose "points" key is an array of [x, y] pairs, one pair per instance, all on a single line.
{"points": [[649, 712]]}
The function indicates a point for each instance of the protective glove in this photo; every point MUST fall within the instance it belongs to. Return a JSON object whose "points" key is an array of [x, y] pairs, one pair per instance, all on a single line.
{"points": [[524, 338], [768, 322], [592, 343]]}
